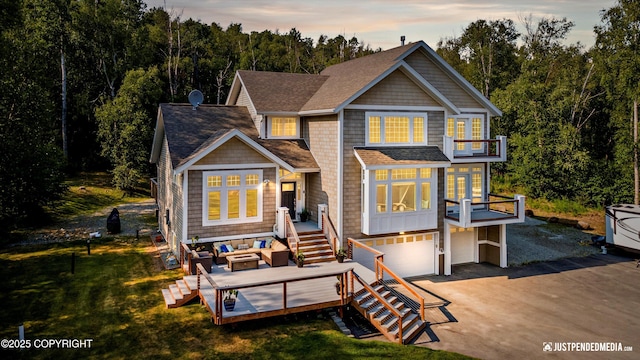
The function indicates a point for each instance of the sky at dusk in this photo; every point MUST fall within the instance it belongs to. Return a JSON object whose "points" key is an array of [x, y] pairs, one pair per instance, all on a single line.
{"points": [[381, 23]]}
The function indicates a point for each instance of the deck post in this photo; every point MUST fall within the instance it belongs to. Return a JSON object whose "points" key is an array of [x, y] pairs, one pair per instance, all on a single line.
{"points": [[284, 295]]}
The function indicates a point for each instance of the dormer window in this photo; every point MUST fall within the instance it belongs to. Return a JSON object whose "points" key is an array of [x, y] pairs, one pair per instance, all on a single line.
{"points": [[283, 127]]}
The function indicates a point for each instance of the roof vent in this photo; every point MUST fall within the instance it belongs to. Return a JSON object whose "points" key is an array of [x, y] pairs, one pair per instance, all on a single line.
{"points": [[402, 40], [196, 98]]}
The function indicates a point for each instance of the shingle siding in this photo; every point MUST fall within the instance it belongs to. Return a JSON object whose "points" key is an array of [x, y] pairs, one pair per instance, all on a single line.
{"points": [[354, 135], [195, 210], [321, 133], [169, 198], [234, 151], [396, 89], [436, 77]]}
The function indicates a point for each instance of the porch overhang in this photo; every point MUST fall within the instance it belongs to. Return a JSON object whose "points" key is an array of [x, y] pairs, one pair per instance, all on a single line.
{"points": [[374, 158]]}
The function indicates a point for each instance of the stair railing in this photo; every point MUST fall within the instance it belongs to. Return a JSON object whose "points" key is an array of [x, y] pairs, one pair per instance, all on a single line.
{"points": [[291, 234], [330, 232], [384, 303], [202, 272], [185, 258], [380, 268]]}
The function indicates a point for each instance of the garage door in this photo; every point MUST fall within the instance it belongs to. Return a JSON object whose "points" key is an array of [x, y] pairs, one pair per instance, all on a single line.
{"points": [[462, 246], [406, 255]]}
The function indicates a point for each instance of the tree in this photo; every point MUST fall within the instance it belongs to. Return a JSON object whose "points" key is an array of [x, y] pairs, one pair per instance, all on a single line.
{"points": [[125, 126], [617, 51], [31, 163]]}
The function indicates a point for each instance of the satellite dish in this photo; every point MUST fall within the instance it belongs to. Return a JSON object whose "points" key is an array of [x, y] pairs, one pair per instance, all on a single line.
{"points": [[196, 98]]}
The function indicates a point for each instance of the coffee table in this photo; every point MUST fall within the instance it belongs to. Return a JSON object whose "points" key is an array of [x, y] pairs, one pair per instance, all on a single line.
{"points": [[243, 262]]}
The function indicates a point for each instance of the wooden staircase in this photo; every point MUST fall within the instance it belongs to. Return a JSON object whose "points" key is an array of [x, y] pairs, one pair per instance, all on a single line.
{"points": [[181, 292], [315, 247], [384, 319]]}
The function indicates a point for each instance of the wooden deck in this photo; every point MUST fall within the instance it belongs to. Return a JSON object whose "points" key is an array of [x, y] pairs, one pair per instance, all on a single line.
{"points": [[266, 291]]}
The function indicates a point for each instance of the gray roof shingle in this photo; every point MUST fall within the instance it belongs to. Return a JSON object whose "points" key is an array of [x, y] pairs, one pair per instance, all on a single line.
{"points": [[409, 155], [190, 132]]}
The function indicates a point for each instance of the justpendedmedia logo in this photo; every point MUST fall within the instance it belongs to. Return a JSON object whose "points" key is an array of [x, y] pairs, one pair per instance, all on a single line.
{"points": [[585, 346]]}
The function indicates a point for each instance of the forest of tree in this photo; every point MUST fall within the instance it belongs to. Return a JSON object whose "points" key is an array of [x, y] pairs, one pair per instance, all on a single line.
{"points": [[81, 81]]}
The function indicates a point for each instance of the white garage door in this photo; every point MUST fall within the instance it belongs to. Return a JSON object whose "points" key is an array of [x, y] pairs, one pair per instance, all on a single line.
{"points": [[462, 246], [405, 256]]}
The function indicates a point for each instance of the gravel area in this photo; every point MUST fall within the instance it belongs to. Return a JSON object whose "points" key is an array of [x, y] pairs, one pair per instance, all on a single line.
{"points": [[536, 240], [132, 218]]}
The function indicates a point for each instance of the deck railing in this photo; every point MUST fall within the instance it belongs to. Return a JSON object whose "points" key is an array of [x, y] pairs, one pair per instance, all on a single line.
{"points": [[219, 290], [185, 258], [492, 149], [505, 209], [381, 269]]}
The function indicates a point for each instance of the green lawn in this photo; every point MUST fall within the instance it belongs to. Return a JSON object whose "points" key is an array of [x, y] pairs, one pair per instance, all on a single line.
{"points": [[114, 299]]}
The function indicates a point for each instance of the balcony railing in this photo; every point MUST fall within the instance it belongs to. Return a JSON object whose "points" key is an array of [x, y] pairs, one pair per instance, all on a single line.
{"points": [[464, 150], [465, 213]]}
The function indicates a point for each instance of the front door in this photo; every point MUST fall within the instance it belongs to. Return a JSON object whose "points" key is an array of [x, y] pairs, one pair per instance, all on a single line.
{"points": [[288, 197]]}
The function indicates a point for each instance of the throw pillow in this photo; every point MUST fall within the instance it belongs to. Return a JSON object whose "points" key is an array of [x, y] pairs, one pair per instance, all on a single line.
{"points": [[256, 244], [268, 244], [230, 248], [223, 248], [262, 244]]}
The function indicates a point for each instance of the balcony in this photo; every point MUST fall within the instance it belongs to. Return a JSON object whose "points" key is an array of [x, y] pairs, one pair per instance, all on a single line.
{"points": [[462, 151], [497, 210]]}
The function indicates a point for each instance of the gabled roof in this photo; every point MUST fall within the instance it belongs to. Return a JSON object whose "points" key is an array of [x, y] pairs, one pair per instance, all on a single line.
{"points": [[338, 85], [277, 92], [192, 134], [407, 156]]}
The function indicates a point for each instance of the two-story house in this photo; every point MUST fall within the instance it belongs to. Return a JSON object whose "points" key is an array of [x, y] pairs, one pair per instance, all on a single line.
{"points": [[395, 146]]}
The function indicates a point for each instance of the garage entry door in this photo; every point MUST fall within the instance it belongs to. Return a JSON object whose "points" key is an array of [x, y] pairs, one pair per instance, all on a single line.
{"points": [[405, 255], [462, 246]]}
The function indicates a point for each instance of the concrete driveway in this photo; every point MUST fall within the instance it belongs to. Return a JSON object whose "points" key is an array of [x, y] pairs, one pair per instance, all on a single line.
{"points": [[494, 313]]}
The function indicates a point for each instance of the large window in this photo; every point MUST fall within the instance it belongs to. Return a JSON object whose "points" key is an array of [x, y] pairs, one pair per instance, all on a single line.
{"points": [[232, 197], [283, 127], [396, 129], [403, 190]]}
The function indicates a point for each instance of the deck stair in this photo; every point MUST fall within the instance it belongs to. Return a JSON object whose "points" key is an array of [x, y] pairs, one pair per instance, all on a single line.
{"points": [[315, 247], [180, 293], [383, 319]]}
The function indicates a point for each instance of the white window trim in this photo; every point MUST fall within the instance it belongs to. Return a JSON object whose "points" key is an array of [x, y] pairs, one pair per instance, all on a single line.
{"points": [[243, 219], [269, 127], [468, 127], [410, 115], [456, 172]]}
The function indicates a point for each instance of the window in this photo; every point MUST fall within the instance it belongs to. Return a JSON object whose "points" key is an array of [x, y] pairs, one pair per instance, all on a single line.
{"points": [[396, 129], [407, 186], [284, 127], [232, 197], [466, 128], [465, 183]]}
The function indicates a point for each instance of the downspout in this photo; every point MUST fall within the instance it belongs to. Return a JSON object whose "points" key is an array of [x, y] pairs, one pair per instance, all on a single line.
{"points": [[340, 176]]}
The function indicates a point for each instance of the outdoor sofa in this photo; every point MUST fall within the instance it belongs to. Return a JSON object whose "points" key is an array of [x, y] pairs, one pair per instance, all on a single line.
{"points": [[272, 251]]}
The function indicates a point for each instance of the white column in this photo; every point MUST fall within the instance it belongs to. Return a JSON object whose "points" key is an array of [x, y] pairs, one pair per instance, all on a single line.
{"points": [[503, 147], [503, 245], [280, 224], [520, 199], [322, 209], [465, 213], [447, 249]]}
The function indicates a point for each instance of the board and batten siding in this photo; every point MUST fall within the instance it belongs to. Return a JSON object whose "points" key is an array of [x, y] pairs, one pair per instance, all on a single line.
{"points": [[321, 134], [441, 81]]}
